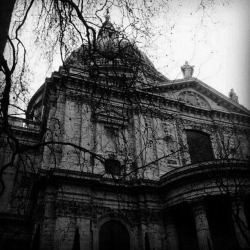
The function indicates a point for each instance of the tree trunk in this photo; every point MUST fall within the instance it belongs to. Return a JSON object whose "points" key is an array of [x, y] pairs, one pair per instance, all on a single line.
{"points": [[6, 9]]}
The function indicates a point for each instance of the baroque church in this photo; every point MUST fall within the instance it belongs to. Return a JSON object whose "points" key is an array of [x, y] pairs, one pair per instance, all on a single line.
{"points": [[114, 155]]}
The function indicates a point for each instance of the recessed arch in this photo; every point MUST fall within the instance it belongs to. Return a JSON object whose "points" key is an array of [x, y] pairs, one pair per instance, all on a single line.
{"points": [[117, 216], [114, 235], [199, 145]]}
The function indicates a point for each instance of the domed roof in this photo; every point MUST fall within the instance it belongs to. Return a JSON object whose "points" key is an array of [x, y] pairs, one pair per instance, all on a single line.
{"points": [[114, 52]]}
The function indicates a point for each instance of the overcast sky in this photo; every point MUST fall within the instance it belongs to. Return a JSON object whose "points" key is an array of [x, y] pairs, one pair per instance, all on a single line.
{"points": [[216, 42]]}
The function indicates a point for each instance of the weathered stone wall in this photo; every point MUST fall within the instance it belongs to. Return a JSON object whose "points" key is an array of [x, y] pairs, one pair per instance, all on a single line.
{"points": [[73, 204]]}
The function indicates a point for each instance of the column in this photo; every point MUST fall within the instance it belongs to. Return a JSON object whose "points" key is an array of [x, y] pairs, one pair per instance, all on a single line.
{"points": [[202, 227], [240, 225], [171, 234]]}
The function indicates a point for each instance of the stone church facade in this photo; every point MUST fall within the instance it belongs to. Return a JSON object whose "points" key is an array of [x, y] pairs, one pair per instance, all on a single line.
{"points": [[122, 157]]}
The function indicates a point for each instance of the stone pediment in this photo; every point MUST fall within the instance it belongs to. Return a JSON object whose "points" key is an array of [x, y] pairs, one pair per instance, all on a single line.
{"points": [[193, 99], [111, 117], [194, 92]]}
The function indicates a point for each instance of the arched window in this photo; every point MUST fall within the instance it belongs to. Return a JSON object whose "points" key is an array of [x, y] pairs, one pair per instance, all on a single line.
{"points": [[113, 236], [200, 147]]}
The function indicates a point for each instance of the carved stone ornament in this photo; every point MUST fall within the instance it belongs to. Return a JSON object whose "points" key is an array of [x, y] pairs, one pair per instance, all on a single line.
{"points": [[187, 70], [193, 99], [207, 128], [168, 128], [232, 95], [67, 207], [111, 117]]}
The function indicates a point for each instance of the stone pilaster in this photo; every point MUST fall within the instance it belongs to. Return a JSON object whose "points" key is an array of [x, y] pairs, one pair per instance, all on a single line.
{"points": [[240, 225], [137, 141], [172, 242], [64, 233], [48, 226], [202, 227], [85, 232]]}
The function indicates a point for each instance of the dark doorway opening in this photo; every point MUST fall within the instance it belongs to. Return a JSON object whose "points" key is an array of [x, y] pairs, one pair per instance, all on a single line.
{"points": [[186, 229], [221, 223], [114, 236]]}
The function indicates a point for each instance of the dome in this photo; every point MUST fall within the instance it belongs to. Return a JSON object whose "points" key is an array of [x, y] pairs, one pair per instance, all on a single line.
{"points": [[113, 54]]}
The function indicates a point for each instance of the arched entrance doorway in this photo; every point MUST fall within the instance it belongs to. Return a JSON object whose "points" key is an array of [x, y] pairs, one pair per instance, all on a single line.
{"points": [[114, 236]]}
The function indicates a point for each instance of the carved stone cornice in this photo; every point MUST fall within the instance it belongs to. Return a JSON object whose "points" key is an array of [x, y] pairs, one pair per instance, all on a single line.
{"points": [[110, 115]]}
